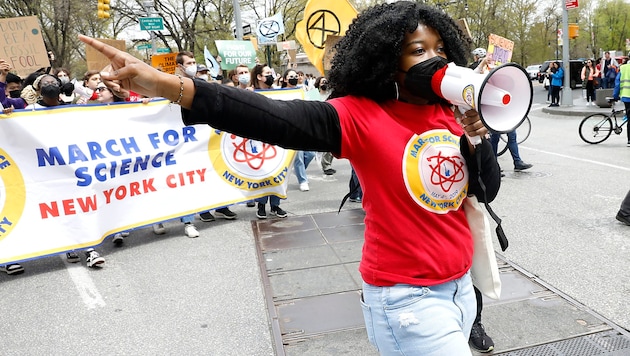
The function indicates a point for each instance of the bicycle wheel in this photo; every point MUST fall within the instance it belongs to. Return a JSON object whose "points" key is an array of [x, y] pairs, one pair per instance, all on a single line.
{"points": [[522, 133], [595, 128], [524, 130], [502, 144]]}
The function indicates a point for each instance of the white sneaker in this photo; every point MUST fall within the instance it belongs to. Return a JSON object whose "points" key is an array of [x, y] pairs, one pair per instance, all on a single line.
{"points": [[93, 258], [190, 230], [304, 187], [159, 229]]}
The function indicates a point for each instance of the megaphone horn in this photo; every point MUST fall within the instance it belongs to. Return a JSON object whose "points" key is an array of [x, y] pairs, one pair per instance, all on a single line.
{"points": [[502, 97]]}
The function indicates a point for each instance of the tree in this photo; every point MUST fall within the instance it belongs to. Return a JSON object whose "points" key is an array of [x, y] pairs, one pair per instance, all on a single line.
{"points": [[60, 21]]}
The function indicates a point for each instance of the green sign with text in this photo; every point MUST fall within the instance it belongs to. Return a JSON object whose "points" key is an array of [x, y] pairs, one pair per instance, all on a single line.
{"points": [[151, 23]]}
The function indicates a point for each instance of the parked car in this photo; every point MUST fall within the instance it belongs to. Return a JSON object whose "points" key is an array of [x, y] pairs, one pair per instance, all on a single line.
{"points": [[575, 71], [533, 71]]}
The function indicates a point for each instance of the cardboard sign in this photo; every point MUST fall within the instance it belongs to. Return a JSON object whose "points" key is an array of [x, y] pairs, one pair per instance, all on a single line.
{"points": [[96, 60], [164, 62], [22, 45], [500, 50], [234, 53], [329, 53]]}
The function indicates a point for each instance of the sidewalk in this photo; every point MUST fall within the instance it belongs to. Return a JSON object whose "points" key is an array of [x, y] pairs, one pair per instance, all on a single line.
{"points": [[579, 108], [312, 287]]}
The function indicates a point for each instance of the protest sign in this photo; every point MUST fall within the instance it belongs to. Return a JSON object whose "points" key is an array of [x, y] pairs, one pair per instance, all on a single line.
{"points": [[500, 50], [96, 60], [164, 62], [323, 18], [234, 53], [22, 45]]}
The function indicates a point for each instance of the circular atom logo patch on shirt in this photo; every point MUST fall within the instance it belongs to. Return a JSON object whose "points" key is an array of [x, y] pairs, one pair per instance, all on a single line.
{"points": [[435, 171]]}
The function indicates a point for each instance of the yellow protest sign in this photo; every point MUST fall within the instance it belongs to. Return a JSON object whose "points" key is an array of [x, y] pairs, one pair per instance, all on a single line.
{"points": [[321, 19], [22, 44]]}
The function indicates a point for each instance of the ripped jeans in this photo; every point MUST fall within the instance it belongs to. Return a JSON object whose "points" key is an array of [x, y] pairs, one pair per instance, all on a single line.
{"points": [[411, 320]]}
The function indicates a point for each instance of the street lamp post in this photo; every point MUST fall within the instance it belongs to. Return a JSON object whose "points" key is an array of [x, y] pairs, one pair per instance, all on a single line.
{"points": [[149, 7]]}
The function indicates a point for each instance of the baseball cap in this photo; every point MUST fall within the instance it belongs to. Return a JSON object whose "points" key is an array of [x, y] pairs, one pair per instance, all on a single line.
{"points": [[202, 68]]}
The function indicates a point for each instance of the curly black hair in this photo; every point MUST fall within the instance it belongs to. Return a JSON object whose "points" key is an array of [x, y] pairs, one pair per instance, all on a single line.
{"points": [[366, 58]]}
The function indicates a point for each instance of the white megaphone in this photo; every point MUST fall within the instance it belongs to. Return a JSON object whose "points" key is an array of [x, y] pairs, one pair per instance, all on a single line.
{"points": [[502, 97]]}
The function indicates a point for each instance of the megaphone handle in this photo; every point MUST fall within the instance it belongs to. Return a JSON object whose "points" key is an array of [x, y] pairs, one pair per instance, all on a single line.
{"points": [[474, 140]]}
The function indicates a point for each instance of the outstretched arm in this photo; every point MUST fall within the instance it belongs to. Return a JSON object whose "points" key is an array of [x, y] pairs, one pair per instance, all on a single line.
{"points": [[126, 73]]}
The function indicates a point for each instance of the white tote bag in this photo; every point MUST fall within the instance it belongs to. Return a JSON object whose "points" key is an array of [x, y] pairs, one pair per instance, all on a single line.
{"points": [[484, 270]]}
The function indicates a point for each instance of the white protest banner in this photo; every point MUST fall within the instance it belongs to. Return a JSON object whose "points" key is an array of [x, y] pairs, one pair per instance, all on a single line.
{"points": [[234, 53], [73, 175]]}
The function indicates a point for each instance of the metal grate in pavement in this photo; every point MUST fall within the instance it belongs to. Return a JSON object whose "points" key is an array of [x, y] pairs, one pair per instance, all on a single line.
{"points": [[607, 343]]}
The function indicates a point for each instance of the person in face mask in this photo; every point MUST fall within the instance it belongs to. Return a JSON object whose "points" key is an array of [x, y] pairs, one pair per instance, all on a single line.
{"points": [[186, 64], [202, 72], [244, 77], [262, 77], [415, 165], [290, 79], [48, 89], [67, 85], [10, 88]]}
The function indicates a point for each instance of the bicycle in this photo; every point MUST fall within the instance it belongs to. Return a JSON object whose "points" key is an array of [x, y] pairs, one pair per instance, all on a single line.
{"points": [[597, 128], [522, 133]]}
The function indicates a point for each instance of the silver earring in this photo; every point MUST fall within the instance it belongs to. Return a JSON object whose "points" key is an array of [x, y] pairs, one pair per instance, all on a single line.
{"points": [[396, 87]]}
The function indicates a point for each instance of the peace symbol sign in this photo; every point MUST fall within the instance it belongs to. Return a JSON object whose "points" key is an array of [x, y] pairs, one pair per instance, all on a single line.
{"points": [[320, 24], [269, 28]]}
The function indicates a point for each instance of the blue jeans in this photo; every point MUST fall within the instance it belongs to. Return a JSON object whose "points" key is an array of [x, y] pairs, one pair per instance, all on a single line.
{"points": [[301, 162], [512, 145], [272, 199], [355, 187], [412, 320]]}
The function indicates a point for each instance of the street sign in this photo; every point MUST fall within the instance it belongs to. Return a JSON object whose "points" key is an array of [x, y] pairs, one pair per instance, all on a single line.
{"points": [[571, 4], [144, 46], [151, 23], [163, 50], [247, 30]]}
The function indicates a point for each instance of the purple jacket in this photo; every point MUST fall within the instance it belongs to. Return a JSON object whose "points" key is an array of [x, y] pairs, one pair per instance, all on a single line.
{"points": [[18, 103]]}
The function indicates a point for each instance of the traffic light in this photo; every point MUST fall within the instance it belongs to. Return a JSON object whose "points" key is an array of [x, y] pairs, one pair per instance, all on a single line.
{"points": [[103, 9]]}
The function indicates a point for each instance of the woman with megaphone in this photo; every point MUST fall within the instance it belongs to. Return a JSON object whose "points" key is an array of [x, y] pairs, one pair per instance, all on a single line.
{"points": [[415, 164]]}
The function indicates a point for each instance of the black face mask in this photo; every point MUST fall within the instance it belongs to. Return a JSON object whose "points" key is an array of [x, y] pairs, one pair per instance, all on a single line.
{"points": [[51, 91], [219, 77], [269, 80], [418, 78], [293, 81], [15, 94]]}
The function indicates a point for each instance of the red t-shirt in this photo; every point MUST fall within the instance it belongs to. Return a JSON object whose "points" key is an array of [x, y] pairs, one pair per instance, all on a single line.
{"points": [[414, 180]]}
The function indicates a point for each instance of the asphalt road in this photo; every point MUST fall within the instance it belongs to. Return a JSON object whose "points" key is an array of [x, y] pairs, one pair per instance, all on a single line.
{"points": [[169, 294]]}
